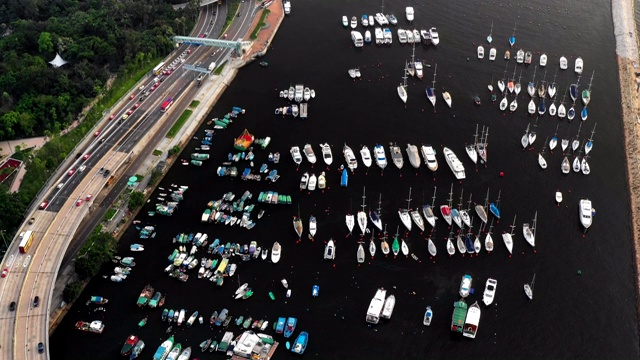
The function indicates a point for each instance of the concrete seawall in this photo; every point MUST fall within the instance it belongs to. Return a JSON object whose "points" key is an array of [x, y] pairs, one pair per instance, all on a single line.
{"points": [[627, 53]]}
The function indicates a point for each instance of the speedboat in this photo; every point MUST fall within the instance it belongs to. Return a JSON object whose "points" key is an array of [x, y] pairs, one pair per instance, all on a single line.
{"points": [[396, 156], [579, 65], [295, 153], [350, 221], [447, 98], [418, 68], [480, 52], [465, 285], [366, 156], [489, 291], [364, 21], [586, 213], [313, 226], [492, 54], [528, 56], [322, 183], [456, 166], [308, 152], [345, 21], [326, 153], [412, 153], [392, 19], [402, 36], [471, 322], [428, 315], [380, 156], [563, 63], [520, 56], [558, 197], [349, 157], [543, 60], [354, 22], [429, 156], [330, 250], [297, 226]]}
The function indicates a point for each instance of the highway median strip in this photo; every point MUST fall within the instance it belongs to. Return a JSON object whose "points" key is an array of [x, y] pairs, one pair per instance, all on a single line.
{"points": [[178, 124]]}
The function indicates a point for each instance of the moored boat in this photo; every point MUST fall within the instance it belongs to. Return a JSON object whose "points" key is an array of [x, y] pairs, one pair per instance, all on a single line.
{"points": [[300, 345], [456, 166], [131, 341], [472, 321]]}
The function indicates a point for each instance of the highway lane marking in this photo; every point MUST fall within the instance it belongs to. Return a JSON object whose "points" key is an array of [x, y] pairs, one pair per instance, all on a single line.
{"points": [[26, 261], [10, 261]]}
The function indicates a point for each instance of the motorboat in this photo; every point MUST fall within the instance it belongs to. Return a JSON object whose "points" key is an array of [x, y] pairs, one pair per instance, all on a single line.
{"points": [[381, 19], [300, 345], [379, 36], [352, 73], [558, 197], [275, 252], [431, 246], [552, 109], [308, 152], [513, 106], [392, 19], [313, 226], [306, 95], [579, 65], [366, 156], [297, 226], [543, 60], [528, 56], [520, 56], [418, 69], [456, 166], [563, 63], [396, 156], [480, 52], [330, 250], [465, 285], [367, 37], [402, 36], [472, 321], [429, 156], [349, 157], [354, 22], [364, 21], [357, 38], [322, 182], [433, 35], [428, 316], [326, 153], [492, 54], [360, 254], [345, 21], [529, 231], [447, 98], [586, 213], [380, 156], [295, 154], [404, 248], [412, 154], [304, 181], [409, 13]]}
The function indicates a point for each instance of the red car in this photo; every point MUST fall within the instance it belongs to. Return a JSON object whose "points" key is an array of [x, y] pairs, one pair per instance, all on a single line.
{"points": [[44, 205], [130, 111], [79, 202], [86, 156], [112, 116], [5, 272], [137, 105], [132, 96], [188, 51], [88, 198], [71, 171], [97, 133]]}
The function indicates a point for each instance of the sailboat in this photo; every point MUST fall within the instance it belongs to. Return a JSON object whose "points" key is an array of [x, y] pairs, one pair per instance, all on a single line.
{"points": [[511, 85], [460, 243], [427, 210], [508, 237], [551, 89], [562, 111], [488, 240], [528, 288], [531, 87], [477, 245], [455, 213], [481, 210], [405, 217], [402, 88], [375, 215], [586, 94], [554, 140], [589, 144], [350, 221], [431, 91], [524, 140], [395, 246], [445, 210], [533, 133], [490, 38], [529, 231], [501, 85], [464, 213], [481, 146], [372, 244], [541, 160], [471, 148], [362, 215], [584, 165], [494, 208], [384, 245], [451, 250], [504, 103], [297, 224], [576, 142], [512, 39], [447, 98]]}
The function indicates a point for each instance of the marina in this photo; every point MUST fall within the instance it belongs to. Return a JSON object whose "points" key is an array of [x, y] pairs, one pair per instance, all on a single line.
{"points": [[348, 287]]}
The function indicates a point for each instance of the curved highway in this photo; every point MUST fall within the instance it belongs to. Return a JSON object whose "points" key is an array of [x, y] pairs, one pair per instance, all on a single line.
{"points": [[67, 202]]}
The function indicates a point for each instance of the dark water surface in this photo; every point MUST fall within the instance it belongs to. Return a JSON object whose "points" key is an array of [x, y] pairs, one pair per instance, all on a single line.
{"points": [[572, 316]]}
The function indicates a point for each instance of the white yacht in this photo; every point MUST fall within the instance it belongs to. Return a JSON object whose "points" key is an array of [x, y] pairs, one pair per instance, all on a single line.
{"points": [[350, 158], [354, 22], [366, 156], [433, 34], [308, 152], [489, 291], [492, 54], [379, 36], [389, 304], [396, 156], [275, 252], [480, 52], [326, 153], [330, 250], [402, 36], [345, 21], [472, 321], [429, 156], [380, 156], [579, 65], [376, 305], [456, 166], [563, 63], [447, 98], [356, 37], [543, 60], [414, 157], [418, 68]]}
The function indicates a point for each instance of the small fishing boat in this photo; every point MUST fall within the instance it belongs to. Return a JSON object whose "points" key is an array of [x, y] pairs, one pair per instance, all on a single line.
{"points": [[489, 291], [447, 98], [428, 316], [558, 197]]}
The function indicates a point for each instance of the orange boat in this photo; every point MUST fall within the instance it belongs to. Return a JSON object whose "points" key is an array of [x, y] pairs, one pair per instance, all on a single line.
{"points": [[244, 141]]}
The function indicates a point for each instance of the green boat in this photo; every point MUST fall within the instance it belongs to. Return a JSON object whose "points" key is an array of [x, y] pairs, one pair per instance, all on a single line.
{"points": [[198, 156], [459, 315], [196, 162], [248, 294], [239, 320], [273, 297], [395, 247], [247, 322], [143, 322], [175, 352]]}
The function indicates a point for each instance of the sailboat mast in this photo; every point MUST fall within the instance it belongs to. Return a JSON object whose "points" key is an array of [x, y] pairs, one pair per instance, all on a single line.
{"points": [[435, 71], [409, 200], [433, 199], [379, 204], [363, 199]]}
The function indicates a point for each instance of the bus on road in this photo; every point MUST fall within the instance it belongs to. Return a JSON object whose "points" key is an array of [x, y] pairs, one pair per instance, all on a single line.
{"points": [[158, 69], [166, 105], [25, 242]]}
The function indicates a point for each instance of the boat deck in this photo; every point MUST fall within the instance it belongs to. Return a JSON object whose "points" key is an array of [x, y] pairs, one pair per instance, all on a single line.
{"points": [[303, 110], [266, 356]]}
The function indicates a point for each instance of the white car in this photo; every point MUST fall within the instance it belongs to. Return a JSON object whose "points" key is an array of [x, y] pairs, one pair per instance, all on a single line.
{"points": [[489, 291]]}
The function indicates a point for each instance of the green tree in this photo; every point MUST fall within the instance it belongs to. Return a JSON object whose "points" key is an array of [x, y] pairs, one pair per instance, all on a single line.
{"points": [[136, 200], [71, 291], [45, 43]]}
